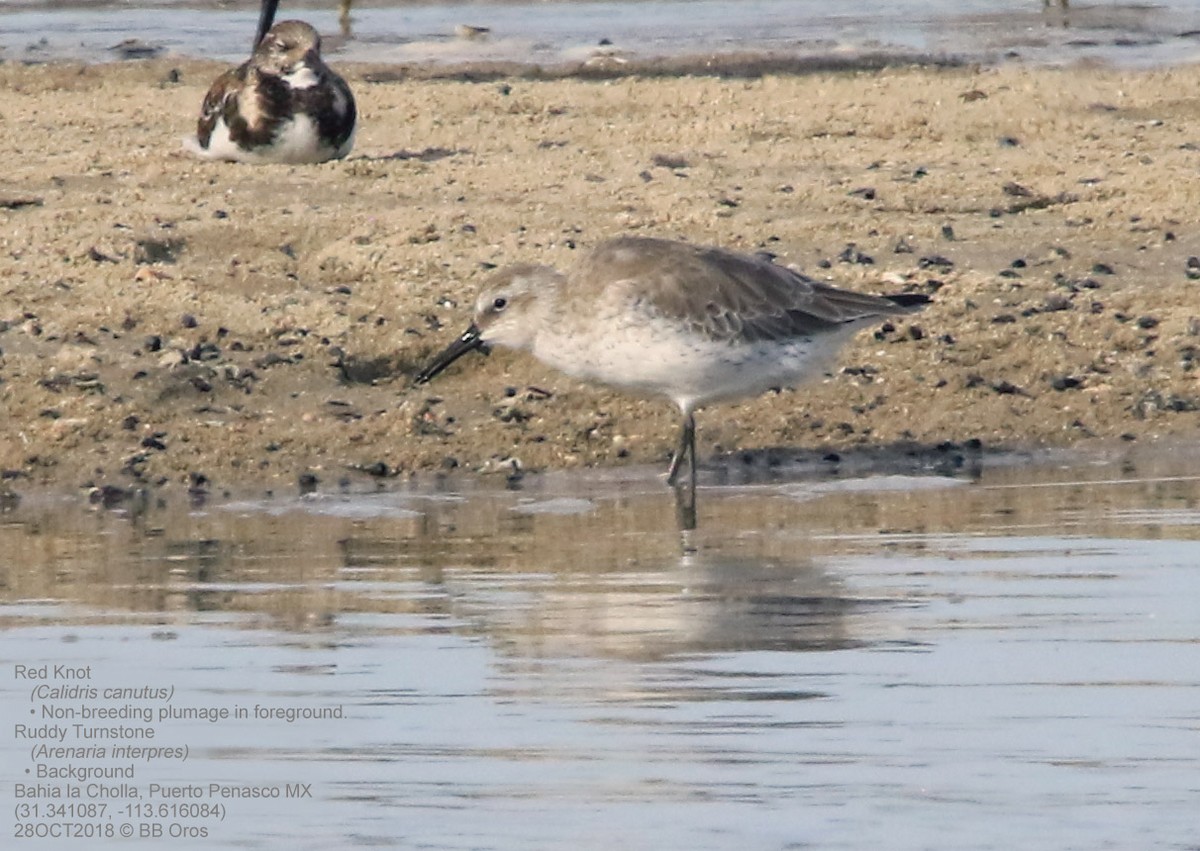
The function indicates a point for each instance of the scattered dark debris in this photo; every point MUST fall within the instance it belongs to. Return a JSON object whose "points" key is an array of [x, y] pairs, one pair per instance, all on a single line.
{"points": [[16, 202], [134, 48], [1066, 382], [851, 254], [307, 482], [671, 161], [1153, 401], [355, 370], [935, 261], [426, 421], [88, 382], [343, 410], [427, 155], [1007, 388], [867, 193], [1079, 426], [147, 251], [376, 469]]}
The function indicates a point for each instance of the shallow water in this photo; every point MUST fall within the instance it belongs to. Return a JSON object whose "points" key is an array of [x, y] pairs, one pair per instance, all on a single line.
{"points": [[1125, 33], [1002, 658]]}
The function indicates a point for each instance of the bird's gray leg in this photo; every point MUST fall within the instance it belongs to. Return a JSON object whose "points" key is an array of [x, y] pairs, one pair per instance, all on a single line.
{"points": [[686, 446]]}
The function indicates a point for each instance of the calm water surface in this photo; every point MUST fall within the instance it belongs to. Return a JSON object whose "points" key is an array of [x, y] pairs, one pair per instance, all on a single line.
{"points": [[1002, 659], [1117, 31]]}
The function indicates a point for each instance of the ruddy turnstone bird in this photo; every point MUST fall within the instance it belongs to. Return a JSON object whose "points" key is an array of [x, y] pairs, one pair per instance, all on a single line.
{"points": [[655, 316], [282, 106]]}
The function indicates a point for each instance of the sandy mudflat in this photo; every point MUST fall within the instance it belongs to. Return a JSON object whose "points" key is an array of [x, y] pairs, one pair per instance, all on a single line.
{"points": [[163, 318]]}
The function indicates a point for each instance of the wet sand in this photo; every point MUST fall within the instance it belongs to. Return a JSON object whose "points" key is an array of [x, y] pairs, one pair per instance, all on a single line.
{"points": [[173, 323]]}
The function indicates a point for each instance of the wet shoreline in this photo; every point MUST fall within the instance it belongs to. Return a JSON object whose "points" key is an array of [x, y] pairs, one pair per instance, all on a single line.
{"points": [[609, 33]]}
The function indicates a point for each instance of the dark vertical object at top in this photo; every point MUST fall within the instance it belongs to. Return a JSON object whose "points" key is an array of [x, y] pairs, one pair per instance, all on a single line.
{"points": [[266, 17]]}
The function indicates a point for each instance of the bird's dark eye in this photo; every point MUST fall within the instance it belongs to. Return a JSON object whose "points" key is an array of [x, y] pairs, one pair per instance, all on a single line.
{"points": [[499, 303]]}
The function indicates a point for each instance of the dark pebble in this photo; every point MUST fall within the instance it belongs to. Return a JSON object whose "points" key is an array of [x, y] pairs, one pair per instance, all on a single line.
{"points": [[153, 343], [1008, 142], [947, 233], [1003, 319], [851, 254], [867, 193], [831, 457], [1147, 322], [154, 441], [130, 423], [1102, 269], [109, 495], [307, 482], [188, 321], [1066, 382]]}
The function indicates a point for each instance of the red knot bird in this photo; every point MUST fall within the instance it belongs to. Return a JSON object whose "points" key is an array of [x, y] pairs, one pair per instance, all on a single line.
{"points": [[663, 318]]}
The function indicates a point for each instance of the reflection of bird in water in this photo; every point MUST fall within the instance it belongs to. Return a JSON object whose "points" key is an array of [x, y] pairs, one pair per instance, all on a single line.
{"points": [[704, 604], [283, 105]]}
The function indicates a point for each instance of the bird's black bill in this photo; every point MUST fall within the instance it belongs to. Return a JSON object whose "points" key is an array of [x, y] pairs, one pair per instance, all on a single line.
{"points": [[468, 342], [266, 17]]}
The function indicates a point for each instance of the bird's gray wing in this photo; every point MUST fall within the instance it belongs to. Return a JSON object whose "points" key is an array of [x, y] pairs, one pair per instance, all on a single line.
{"points": [[735, 297]]}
